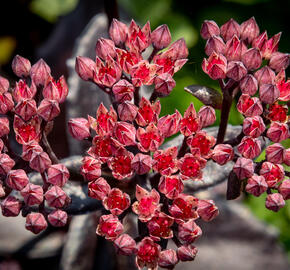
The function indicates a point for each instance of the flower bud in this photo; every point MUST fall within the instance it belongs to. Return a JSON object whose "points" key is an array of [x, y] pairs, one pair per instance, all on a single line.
{"points": [[178, 49], [40, 72], [23, 91], [141, 163], [99, 188], [35, 222], [249, 30], [21, 66], [123, 91], [110, 227], [48, 109], [85, 68], [222, 154], [256, 185], [253, 126], [207, 210], [249, 85], [208, 29], [161, 37], [118, 32], [279, 61], [278, 132], [278, 112], [252, 59], [206, 116], [235, 48], [28, 149], [104, 48], [26, 108], [260, 41], [275, 153], [236, 70], [164, 84], [57, 174], [4, 126], [265, 75], [188, 232], [230, 29], [91, 168], [170, 186], [169, 124], [273, 173], [32, 194], [249, 106], [275, 202], [215, 66], [127, 111], [287, 157], [167, 258], [17, 179], [250, 147], [39, 161], [125, 245], [116, 201], [125, 133], [79, 128], [56, 197], [10, 207], [214, 44], [284, 189], [244, 168], [6, 103], [186, 253], [6, 164], [269, 93], [4, 85], [57, 218]]}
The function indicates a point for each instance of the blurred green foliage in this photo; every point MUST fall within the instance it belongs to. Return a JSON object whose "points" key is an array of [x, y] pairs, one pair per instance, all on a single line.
{"points": [[185, 20]]}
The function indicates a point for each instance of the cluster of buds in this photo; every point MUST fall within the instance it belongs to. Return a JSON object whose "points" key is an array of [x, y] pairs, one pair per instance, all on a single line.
{"points": [[236, 56], [127, 168], [28, 110]]}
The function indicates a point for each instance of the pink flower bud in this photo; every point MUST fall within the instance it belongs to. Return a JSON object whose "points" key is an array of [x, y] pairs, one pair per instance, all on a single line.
{"points": [[249, 106], [215, 66], [57, 218], [35, 222], [249, 85], [284, 189], [178, 49], [125, 133], [104, 48], [40, 72], [161, 37], [127, 111], [235, 48], [230, 29], [186, 253], [278, 132], [105, 120], [208, 29], [250, 147], [23, 91], [275, 202], [10, 207], [188, 232], [85, 68], [260, 40], [79, 128], [32, 194], [21, 66], [287, 157], [244, 168], [265, 75], [26, 108], [141, 163], [28, 149], [167, 258], [6, 164], [269, 93], [125, 245], [206, 116], [6, 103], [214, 44], [4, 85], [39, 161], [169, 124], [249, 30], [252, 59], [110, 227], [50, 91], [17, 179], [116, 201], [57, 174], [270, 46], [4, 126], [56, 197], [48, 109], [123, 91], [236, 70], [170, 186], [164, 84], [256, 185], [273, 173], [279, 61], [253, 126], [91, 168], [275, 153], [99, 188], [207, 210], [222, 154], [118, 32]]}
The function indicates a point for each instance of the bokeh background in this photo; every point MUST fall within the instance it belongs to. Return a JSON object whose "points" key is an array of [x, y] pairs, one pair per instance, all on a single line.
{"points": [[49, 28]]}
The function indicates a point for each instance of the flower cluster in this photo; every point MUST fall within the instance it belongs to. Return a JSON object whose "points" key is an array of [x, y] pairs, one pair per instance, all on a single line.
{"points": [[236, 56], [30, 108], [126, 167]]}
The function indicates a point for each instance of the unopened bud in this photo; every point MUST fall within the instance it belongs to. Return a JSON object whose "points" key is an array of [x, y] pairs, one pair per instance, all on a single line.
{"points": [[57, 218], [127, 111], [161, 37], [275, 202], [208, 29], [164, 84], [215, 44], [11, 207], [249, 30], [105, 47], [85, 68], [35, 222], [141, 163], [79, 128], [21, 66], [279, 61], [249, 85], [48, 109], [256, 185], [252, 59], [230, 29], [118, 32], [236, 70], [40, 72]]}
